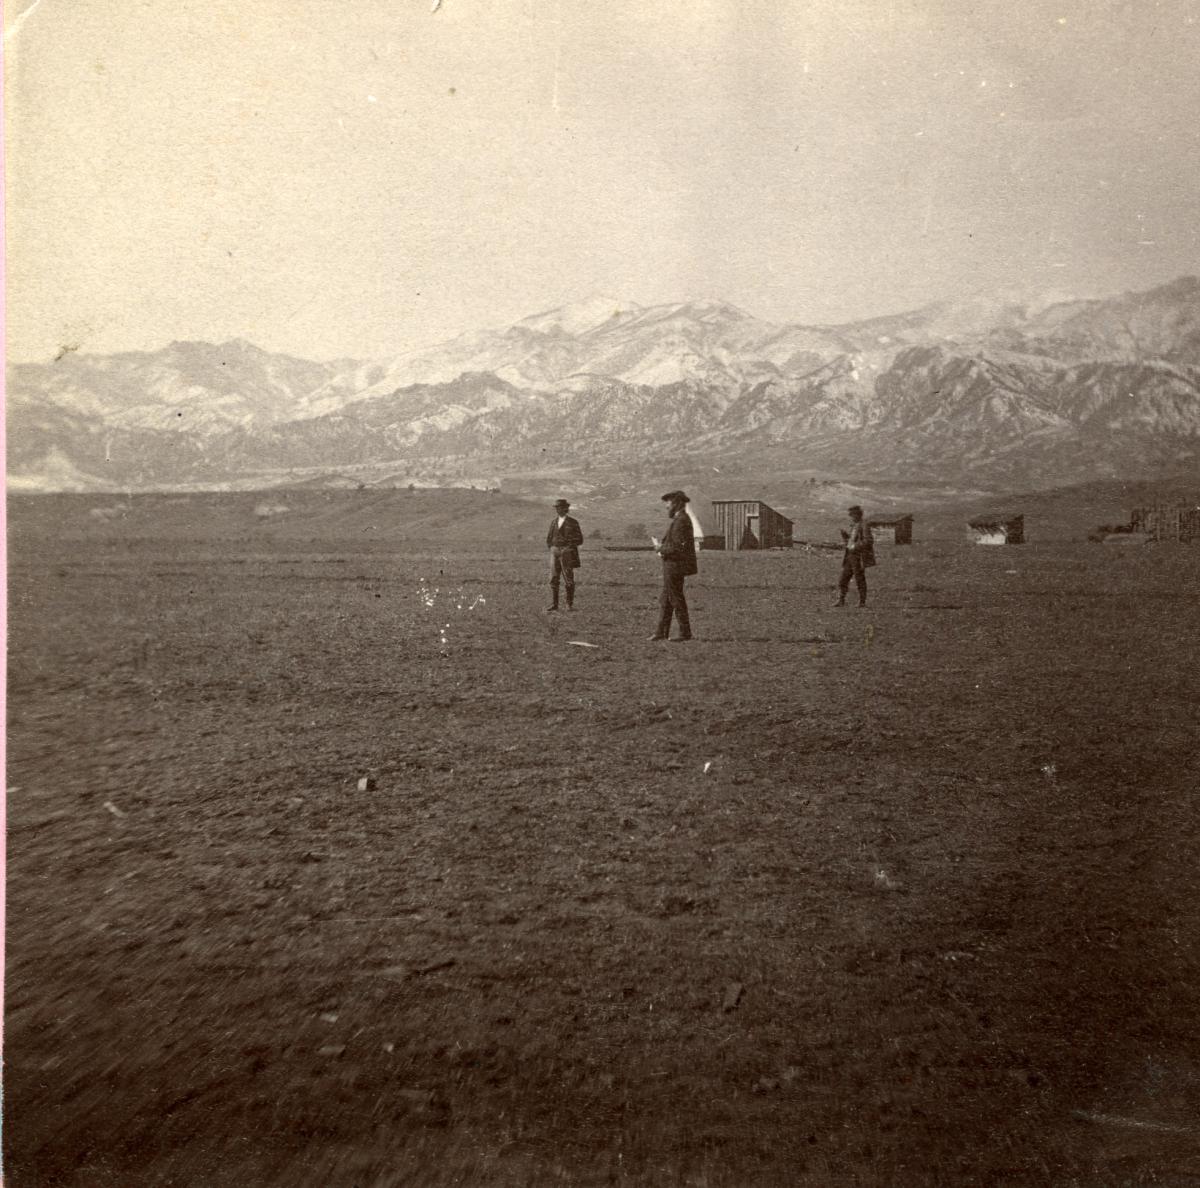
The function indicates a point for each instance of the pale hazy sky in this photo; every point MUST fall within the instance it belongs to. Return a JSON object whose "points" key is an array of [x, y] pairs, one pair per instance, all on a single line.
{"points": [[358, 177]]}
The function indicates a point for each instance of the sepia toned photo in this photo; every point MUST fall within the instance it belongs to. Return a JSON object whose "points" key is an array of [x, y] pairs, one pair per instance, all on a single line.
{"points": [[602, 593]]}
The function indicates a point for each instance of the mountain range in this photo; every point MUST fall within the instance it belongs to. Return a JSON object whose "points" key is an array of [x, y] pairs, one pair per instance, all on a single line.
{"points": [[998, 391]]}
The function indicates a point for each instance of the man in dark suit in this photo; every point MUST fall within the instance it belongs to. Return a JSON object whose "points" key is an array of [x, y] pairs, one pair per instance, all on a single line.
{"points": [[678, 552], [859, 554], [563, 541]]}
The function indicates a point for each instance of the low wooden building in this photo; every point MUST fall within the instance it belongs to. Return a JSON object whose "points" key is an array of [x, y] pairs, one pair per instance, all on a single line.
{"points": [[891, 530], [750, 524], [997, 530], [1167, 521]]}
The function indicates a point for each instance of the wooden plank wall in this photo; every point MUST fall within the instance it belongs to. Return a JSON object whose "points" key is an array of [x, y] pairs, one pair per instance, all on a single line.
{"points": [[897, 530], [731, 519], [774, 530], [1167, 521]]}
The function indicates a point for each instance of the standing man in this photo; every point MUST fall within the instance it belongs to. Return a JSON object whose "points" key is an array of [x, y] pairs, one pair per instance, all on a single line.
{"points": [[860, 552], [678, 552], [563, 541]]}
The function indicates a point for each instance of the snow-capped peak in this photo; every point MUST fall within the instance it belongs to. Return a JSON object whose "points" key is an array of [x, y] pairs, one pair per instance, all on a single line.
{"points": [[578, 317]]}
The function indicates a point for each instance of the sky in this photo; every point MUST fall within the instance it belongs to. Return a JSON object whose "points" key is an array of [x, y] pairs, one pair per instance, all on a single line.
{"points": [[356, 178]]}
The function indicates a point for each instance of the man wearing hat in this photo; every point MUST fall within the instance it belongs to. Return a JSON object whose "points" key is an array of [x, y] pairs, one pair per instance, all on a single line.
{"points": [[563, 541], [678, 552], [860, 552]]}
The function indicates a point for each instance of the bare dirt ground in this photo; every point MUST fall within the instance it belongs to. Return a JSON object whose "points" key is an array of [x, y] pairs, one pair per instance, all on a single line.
{"points": [[900, 896]]}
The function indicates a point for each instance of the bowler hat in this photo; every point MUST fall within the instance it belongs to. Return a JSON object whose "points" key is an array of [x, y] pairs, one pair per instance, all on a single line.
{"points": [[561, 503], [675, 496], [855, 508]]}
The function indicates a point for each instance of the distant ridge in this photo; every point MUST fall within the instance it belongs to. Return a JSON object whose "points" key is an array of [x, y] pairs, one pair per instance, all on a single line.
{"points": [[993, 390]]}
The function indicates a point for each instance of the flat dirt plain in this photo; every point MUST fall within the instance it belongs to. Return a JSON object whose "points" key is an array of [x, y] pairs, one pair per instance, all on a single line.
{"points": [[899, 896]]}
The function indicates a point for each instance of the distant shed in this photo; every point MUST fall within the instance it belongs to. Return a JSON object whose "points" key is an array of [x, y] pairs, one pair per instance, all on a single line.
{"points": [[1167, 521], [997, 530], [893, 530], [751, 524]]}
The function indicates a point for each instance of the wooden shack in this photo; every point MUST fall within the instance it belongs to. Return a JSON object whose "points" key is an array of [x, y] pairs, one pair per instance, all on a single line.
{"points": [[895, 530], [1167, 521], [751, 524], [997, 530]]}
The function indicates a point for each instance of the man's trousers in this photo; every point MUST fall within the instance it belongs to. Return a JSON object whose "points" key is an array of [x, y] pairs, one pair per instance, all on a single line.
{"points": [[852, 567], [564, 572], [672, 601]]}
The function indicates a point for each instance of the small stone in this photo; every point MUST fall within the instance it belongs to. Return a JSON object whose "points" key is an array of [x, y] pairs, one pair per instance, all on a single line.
{"points": [[366, 784], [420, 1098], [329, 1017], [733, 995], [331, 1050]]}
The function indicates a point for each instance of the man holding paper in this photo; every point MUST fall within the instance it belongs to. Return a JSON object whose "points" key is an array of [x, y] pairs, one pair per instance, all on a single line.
{"points": [[678, 552]]}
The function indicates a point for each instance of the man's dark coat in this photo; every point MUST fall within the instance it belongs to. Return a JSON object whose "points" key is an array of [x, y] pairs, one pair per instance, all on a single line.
{"points": [[568, 538], [679, 544]]}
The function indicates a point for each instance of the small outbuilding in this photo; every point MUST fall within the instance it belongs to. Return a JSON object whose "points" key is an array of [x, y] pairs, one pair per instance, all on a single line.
{"points": [[997, 530], [891, 530], [750, 524], [1167, 521]]}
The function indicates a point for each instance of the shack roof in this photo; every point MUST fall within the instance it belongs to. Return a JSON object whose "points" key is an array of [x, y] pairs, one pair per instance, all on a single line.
{"points": [[760, 502], [994, 521]]}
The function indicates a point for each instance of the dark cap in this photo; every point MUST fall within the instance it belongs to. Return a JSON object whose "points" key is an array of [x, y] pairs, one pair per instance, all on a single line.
{"points": [[561, 503], [854, 508], [675, 496]]}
